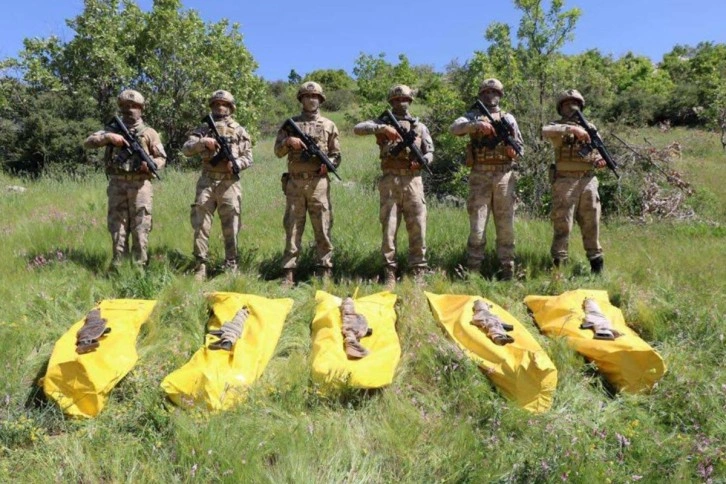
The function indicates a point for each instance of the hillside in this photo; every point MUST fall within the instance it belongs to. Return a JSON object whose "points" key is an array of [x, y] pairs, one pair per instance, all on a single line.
{"points": [[441, 420]]}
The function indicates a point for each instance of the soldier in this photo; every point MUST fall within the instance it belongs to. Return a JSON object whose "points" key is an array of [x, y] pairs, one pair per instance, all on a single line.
{"points": [[218, 187], [574, 187], [306, 184], [130, 193], [491, 181], [401, 188]]}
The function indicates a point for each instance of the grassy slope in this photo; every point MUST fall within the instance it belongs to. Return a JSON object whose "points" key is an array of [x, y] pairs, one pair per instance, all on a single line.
{"points": [[440, 420]]}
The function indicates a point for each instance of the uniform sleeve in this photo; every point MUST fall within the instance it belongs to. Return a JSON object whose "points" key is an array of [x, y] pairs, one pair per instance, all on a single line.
{"points": [[367, 127], [334, 145], [192, 146], [554, 130], [280, 146], [427, 144], [156, 149], [96, 140], [245, 148], [462, 126]]}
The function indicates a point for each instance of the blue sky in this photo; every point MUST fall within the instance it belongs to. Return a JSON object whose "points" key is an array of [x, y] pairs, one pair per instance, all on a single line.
{"points": [[304, 36]]}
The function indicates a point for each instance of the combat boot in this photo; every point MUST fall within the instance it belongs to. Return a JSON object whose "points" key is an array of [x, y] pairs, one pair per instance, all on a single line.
{"points": [[324, 273], [506, 271], [230, 267], [473, 267], [200, 272], [596, 265], [418, 275], [288, 279], [389, 277]]}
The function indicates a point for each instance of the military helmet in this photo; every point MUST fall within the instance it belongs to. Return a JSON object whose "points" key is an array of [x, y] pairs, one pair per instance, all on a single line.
{"points": [[400, 90], [492, 83], [224, 96], [310, 87], [568, 95], [130, 95]]}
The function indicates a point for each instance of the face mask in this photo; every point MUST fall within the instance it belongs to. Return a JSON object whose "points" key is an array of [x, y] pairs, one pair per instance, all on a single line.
{"points": [[131, 113], [400, 106], [490, 97], [568, 108], [310, 103], [220, 110]]}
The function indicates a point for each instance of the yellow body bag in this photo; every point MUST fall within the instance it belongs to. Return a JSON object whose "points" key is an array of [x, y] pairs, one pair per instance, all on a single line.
{"points": [[627, 362], [80, 384], [217, 379], [521, 370], [331, 367]]}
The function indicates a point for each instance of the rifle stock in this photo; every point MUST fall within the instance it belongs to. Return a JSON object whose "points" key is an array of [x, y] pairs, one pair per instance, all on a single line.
{"points": [[225, 150], [135, 149], [595, 143], [502, 128], [311, 147], [409, 140]]}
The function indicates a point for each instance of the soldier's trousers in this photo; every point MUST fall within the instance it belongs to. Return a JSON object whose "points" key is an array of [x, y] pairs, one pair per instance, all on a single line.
{"points": [[575, 198], [308, 196], [224, 196], [129, 215], [403, 196], [491, 192]]}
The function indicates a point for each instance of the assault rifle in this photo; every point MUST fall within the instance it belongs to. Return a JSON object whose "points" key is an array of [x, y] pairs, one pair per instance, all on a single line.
{"points": [[225, 150], [135, 149], [595, 144], [502, 128], [312, 150], [409, 138]]}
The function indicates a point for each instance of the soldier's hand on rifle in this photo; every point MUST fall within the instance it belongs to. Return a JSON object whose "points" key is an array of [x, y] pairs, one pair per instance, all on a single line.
{"points": [[295, 143], [230, 167], [511, 152], [323, 169], [144, 168], [210, 144], [484, 128], [600, 163], [390, 133], [415, 165], [579, 133], [116, 140]]}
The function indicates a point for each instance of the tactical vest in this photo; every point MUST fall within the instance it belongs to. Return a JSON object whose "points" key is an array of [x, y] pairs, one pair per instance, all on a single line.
{"points": [[567, 157], [483, 150], [316, 130], [403, 160], [228, 130], [119, 161]]}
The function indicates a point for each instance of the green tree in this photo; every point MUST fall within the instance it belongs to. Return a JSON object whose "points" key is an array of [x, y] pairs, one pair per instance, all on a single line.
{"points": [[98, 60], [698, 74], [181, 60], [331, 79], [375, 76], [169, 54], [294, 78]]}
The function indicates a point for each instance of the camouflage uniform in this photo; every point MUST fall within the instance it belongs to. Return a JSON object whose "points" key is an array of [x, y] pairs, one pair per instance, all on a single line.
{"points": [[574, 189], [401, 188], [307, 190], [217, 188], [491, 185], [130, 193]]}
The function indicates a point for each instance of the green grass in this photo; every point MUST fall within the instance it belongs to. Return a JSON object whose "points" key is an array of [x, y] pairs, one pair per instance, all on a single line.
{"points": [[441, 420]]}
